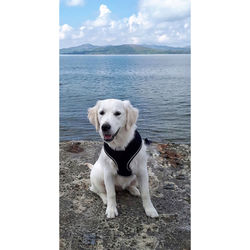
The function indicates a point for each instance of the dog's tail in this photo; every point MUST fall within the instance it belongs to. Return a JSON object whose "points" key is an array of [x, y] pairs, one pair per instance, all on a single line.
{"points": [[147, 141], [90, 166]]}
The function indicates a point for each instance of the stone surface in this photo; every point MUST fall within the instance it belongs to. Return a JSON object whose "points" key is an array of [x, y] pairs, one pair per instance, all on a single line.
{"points": [[83, 223]]}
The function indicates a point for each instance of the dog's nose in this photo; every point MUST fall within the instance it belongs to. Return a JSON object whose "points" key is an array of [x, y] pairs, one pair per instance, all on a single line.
{"points": [[105, 127]]}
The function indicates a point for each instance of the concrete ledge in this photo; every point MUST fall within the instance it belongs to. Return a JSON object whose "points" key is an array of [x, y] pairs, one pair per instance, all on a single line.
{"points": [[83, 224]]}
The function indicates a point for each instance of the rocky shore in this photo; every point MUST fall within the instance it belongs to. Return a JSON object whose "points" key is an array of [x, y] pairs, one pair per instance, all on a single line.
{"points": [[83, 223]]}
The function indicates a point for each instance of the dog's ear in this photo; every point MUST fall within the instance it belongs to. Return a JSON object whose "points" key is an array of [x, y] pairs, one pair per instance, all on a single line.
{"points": [[93, 116], [131, 113]]}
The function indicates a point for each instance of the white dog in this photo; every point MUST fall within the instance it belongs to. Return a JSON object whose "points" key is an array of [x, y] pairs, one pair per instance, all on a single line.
{"points": [[123, 160]]}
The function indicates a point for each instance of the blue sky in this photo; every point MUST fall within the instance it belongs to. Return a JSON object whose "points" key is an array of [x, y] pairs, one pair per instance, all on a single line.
{"points": [[162, 22], [76, 15]]}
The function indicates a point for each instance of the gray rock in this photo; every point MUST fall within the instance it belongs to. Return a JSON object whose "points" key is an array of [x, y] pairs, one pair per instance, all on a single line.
{"points": [[170, 186], [83, 224]]}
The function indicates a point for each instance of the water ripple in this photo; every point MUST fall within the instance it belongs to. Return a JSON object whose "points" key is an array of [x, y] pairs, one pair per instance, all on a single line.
{"points": [[159, 86]]}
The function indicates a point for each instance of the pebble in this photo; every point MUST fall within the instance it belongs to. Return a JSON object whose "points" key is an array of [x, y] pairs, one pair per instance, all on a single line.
{"points": [[89, 239], [169, 186], [180, 177]]}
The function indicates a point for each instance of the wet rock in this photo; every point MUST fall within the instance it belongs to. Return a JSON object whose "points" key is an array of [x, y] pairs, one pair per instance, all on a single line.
{"points": [[83, 224], [171, 153]]}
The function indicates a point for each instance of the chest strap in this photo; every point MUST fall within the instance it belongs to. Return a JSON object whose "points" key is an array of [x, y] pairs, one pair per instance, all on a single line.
{"points": [[122, 159]]}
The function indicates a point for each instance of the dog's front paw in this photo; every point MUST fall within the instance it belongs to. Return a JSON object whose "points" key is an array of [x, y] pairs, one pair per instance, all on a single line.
{"points": [[111, 212], [151, 212]]}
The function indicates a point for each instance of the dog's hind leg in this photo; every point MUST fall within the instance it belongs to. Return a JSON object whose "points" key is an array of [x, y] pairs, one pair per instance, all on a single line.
{"points": [[100, 191]]}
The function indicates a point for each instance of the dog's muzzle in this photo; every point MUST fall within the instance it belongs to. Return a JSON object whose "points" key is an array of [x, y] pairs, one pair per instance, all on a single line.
{"points": [[108, 137]]}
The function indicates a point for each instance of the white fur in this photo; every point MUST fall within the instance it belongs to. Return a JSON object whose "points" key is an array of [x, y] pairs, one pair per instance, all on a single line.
{"points": [[104, 178]]}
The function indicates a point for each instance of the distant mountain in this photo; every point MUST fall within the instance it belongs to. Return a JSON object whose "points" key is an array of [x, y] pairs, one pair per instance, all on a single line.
{"points": [[182, 50], [90, 49], [78, 49]]}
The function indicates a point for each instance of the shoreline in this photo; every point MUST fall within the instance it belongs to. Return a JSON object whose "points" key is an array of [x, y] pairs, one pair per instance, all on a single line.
{"points": [[151, 142], [124, 54]]}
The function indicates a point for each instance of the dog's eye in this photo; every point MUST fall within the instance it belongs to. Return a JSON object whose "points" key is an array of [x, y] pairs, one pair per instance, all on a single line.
{"points": [[101, 112], [117, 113]]}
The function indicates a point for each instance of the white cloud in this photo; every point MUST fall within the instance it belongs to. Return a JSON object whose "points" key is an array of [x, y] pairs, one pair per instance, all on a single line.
{"points": [[64, 30], [137, 22], [135, 40], [77, 36], [75, 2], [104, 11], [165, 10], [103, 18], [156, 22], [163, 38]]}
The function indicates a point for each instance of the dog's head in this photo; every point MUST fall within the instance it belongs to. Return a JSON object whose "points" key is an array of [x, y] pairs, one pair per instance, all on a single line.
{"points": [[110, 116]]}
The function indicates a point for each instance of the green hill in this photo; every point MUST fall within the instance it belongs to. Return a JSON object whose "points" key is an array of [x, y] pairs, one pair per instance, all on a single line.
{"points": [[90, 49]]}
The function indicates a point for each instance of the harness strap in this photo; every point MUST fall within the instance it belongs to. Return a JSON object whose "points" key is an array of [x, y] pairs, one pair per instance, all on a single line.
{"points": [[122, 159]]}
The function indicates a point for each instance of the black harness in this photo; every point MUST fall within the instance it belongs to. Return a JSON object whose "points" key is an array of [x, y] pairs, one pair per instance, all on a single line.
{"points": [[122, 159]]}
